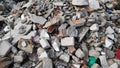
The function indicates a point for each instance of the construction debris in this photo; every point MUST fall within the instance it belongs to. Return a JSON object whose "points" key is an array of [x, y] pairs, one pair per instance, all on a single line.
{"points": [[59, 34]]}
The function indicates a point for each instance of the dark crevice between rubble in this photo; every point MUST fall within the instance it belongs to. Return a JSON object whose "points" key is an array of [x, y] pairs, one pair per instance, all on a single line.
{"points": [[20, 0], [2, 25]]}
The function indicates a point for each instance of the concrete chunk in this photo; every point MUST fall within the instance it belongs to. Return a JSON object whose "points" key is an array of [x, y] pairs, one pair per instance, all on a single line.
{"points": [[95, 66], [67, 41], [94, 53], [108, 43], [56, 45], [18, 59], [76, 65], [44, 34], [80, 2], [83, 33], [41, 53], [65, 57], [59, 3], [72, 32], [94, 4], [109, 30], [2, 18], [4, 48], [37, 19], [79, 53], [94, 27], [44, 43], [115, 65], [111, 36], [28, 4], [103, 61], [7, 28], [47, 63]]}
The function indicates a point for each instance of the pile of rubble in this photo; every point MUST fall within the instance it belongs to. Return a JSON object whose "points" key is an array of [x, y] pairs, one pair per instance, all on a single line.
{"points": [[59, 34]]}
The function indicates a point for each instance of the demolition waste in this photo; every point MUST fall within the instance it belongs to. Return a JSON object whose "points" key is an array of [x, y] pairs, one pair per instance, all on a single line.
{"points": [[59, 33]]}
